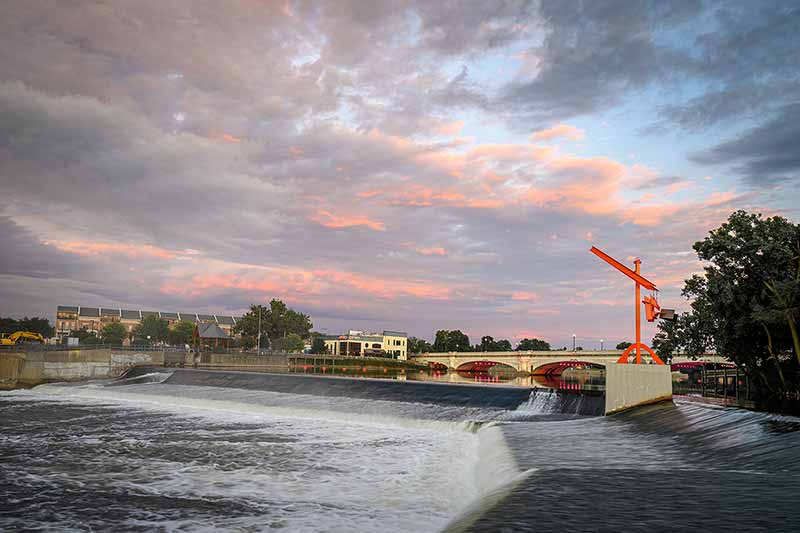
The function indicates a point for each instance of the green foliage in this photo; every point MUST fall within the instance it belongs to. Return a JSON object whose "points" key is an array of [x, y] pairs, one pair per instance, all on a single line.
{"points": [[34, 324], [318, 345], [113, 333], [745, 305], [151, 326], [84, 336], [533, 345], [451, 341], [503, 345], [623, 345], [181, 333], [416, 345], [277, 320], [291, 343], [488, 344]]}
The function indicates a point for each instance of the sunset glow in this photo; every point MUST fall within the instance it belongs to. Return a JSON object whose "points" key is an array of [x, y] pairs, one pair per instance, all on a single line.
{"points": [[414, 166]]}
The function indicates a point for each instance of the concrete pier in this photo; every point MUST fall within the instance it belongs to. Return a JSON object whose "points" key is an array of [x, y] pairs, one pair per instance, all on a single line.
{"points": [[629, 386]]}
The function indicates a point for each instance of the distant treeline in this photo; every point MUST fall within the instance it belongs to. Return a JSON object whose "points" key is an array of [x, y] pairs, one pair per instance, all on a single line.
{"points": [[458, 341], [34, 324]]}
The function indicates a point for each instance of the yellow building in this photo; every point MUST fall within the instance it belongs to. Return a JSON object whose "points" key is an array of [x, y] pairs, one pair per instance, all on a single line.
{"points": [[393, 344], [92, 319]]}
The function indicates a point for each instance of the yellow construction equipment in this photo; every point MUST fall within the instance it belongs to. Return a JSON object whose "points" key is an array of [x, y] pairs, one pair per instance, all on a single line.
{"points": [[20, 337]]}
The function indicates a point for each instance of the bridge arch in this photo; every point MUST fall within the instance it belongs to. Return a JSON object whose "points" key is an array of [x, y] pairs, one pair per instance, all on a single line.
{"points": [[556, 368], [485, 365]]}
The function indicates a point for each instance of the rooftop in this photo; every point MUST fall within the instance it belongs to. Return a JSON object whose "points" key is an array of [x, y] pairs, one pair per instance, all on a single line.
{"points": [[135, 314]]}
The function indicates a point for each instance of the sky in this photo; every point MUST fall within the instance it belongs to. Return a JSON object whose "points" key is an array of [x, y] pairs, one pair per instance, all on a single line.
{"points": [[406, 165]]}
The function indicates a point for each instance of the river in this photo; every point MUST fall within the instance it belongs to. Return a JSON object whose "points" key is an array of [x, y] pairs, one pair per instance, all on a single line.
{"points": [[194, 451]]}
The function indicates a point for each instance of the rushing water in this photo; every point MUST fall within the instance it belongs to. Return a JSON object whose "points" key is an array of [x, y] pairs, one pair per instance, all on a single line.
{"points": [[203, 451]]}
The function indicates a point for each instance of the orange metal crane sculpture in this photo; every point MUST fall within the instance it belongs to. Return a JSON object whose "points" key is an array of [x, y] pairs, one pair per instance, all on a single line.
{"points": [[651, 306]]}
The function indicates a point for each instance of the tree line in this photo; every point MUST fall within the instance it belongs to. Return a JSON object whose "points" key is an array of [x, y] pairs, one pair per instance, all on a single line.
{"points": [[34, 324], [458, 341]]}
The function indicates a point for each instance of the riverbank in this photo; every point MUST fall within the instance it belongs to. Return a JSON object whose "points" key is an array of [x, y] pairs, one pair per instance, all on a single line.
{"points": [[28, 368]]}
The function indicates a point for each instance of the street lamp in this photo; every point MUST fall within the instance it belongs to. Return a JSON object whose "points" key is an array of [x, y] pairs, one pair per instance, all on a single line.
{"points": [[573, 342], [258, 342], [601, 345]]}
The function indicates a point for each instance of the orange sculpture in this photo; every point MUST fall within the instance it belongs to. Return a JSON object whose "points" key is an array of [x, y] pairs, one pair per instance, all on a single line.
{"points": [[650, 305]]}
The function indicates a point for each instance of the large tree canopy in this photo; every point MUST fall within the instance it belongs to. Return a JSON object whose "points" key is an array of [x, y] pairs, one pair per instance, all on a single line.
{"points": [[151, 329], [451, 341], [113, 333], [416, 345], [745, 305], [277, 321], [533, 345]]}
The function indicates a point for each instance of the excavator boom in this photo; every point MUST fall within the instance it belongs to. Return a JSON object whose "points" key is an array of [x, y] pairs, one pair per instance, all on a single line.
{"points": [[14, 338]]}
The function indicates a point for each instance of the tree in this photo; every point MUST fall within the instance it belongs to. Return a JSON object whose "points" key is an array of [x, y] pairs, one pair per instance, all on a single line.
{"points": [[623, 345], [152, 329], [181, 333], [503, 345], [745, 305], [291, 343], [451, 341], [277, 321], [84, 336], [318, 345], [416, 345], [113, 333], [533, 345], [487, 344]]}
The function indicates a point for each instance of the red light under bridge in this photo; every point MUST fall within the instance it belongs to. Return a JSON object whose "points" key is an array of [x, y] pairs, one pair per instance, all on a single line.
{"points": [[555, 369]]}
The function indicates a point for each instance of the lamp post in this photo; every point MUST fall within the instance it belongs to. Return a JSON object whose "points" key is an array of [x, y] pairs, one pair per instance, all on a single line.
{"points": [[573, 342], [258, 341]]}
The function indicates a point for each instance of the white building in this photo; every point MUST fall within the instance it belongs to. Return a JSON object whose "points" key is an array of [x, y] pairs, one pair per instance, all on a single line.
{"points": [[392, 344]]}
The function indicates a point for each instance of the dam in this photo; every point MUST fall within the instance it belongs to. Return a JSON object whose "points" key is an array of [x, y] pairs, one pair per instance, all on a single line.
{"points": [[197, 450]]}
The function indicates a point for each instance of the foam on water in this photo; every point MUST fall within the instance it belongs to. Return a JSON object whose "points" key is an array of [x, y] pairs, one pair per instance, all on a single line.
{"points": [[273, 459]]}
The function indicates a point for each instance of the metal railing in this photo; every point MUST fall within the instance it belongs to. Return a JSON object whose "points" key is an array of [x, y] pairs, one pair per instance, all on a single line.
{"points": [[33, 347]]}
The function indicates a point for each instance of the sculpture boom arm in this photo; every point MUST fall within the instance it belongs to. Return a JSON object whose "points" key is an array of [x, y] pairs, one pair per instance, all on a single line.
{"points": [[641, 280]]}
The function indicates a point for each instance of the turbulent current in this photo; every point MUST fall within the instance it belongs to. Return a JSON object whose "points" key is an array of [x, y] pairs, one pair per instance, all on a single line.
{"points": [[202, 451]]}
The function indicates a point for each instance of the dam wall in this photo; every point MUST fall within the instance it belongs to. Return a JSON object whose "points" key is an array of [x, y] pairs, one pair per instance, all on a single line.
{"points": [[629, 386], [463, 395], [30, 368]]}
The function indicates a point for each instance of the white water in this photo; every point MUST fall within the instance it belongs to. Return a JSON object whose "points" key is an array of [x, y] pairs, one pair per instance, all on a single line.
{"points": [[309, 463]]}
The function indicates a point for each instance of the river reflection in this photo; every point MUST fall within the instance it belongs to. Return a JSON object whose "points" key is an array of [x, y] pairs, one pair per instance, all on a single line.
{"points": [[571, 379]]}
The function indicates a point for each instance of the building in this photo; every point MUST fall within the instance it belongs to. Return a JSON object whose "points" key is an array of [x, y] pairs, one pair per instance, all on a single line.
{"points": [[392, 344], [210, 334], [93, 319]]}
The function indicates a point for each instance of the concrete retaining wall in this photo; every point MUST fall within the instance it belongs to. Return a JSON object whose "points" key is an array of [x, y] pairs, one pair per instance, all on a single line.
{"points": [[26, 369], [630, 385]]}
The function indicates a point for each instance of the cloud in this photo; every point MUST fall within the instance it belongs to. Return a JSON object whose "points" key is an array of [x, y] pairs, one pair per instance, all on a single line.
{"points": [[330, 220], [559, 130], [107, 168], [311, 151], [765, 155], [592, 55], [103, 248]]}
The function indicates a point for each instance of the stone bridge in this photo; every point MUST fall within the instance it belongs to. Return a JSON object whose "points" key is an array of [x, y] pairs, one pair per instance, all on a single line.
{"points": [[532, 362]]}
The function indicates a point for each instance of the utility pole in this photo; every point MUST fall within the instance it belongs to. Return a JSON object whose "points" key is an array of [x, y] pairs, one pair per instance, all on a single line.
{"points": [[258, 341], [573, 342]]}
